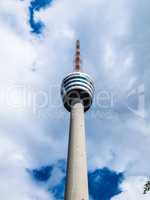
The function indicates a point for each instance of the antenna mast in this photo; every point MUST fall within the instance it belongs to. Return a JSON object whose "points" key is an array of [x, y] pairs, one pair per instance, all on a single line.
{"points": [[77, 57]]}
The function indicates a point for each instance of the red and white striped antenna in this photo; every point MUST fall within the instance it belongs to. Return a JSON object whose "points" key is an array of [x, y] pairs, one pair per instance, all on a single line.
{"points": [[77, 57]]}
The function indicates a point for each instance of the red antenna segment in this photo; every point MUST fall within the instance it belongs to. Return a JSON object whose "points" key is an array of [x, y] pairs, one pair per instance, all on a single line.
{"points": [[77, 56]]}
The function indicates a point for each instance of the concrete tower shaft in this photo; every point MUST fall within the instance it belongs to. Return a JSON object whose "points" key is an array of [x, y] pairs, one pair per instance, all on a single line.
{"points": [[77, 181], [77, 91]]}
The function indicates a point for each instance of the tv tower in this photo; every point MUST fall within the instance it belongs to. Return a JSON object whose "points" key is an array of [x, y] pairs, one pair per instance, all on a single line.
{"points": [[77, 92]]}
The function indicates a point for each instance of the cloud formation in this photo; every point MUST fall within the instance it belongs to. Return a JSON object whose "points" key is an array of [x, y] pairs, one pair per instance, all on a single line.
{"points": [[115, 50]]}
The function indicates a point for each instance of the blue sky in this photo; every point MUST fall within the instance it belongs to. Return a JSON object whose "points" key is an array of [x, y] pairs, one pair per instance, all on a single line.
{"points": [[103, 183], [35, 6], [37, 48]]}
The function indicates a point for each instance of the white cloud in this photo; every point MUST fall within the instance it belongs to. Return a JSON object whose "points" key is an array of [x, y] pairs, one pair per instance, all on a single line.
{"points": [[15, 183], [112, 48], [133, 189]]}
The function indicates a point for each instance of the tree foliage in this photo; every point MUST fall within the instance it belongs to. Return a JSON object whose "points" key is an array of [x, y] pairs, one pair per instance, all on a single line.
{"points": [[147, 187]]}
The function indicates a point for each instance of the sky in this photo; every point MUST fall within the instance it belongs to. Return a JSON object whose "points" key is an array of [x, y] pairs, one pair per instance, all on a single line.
{"points": [[37, 40]]}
